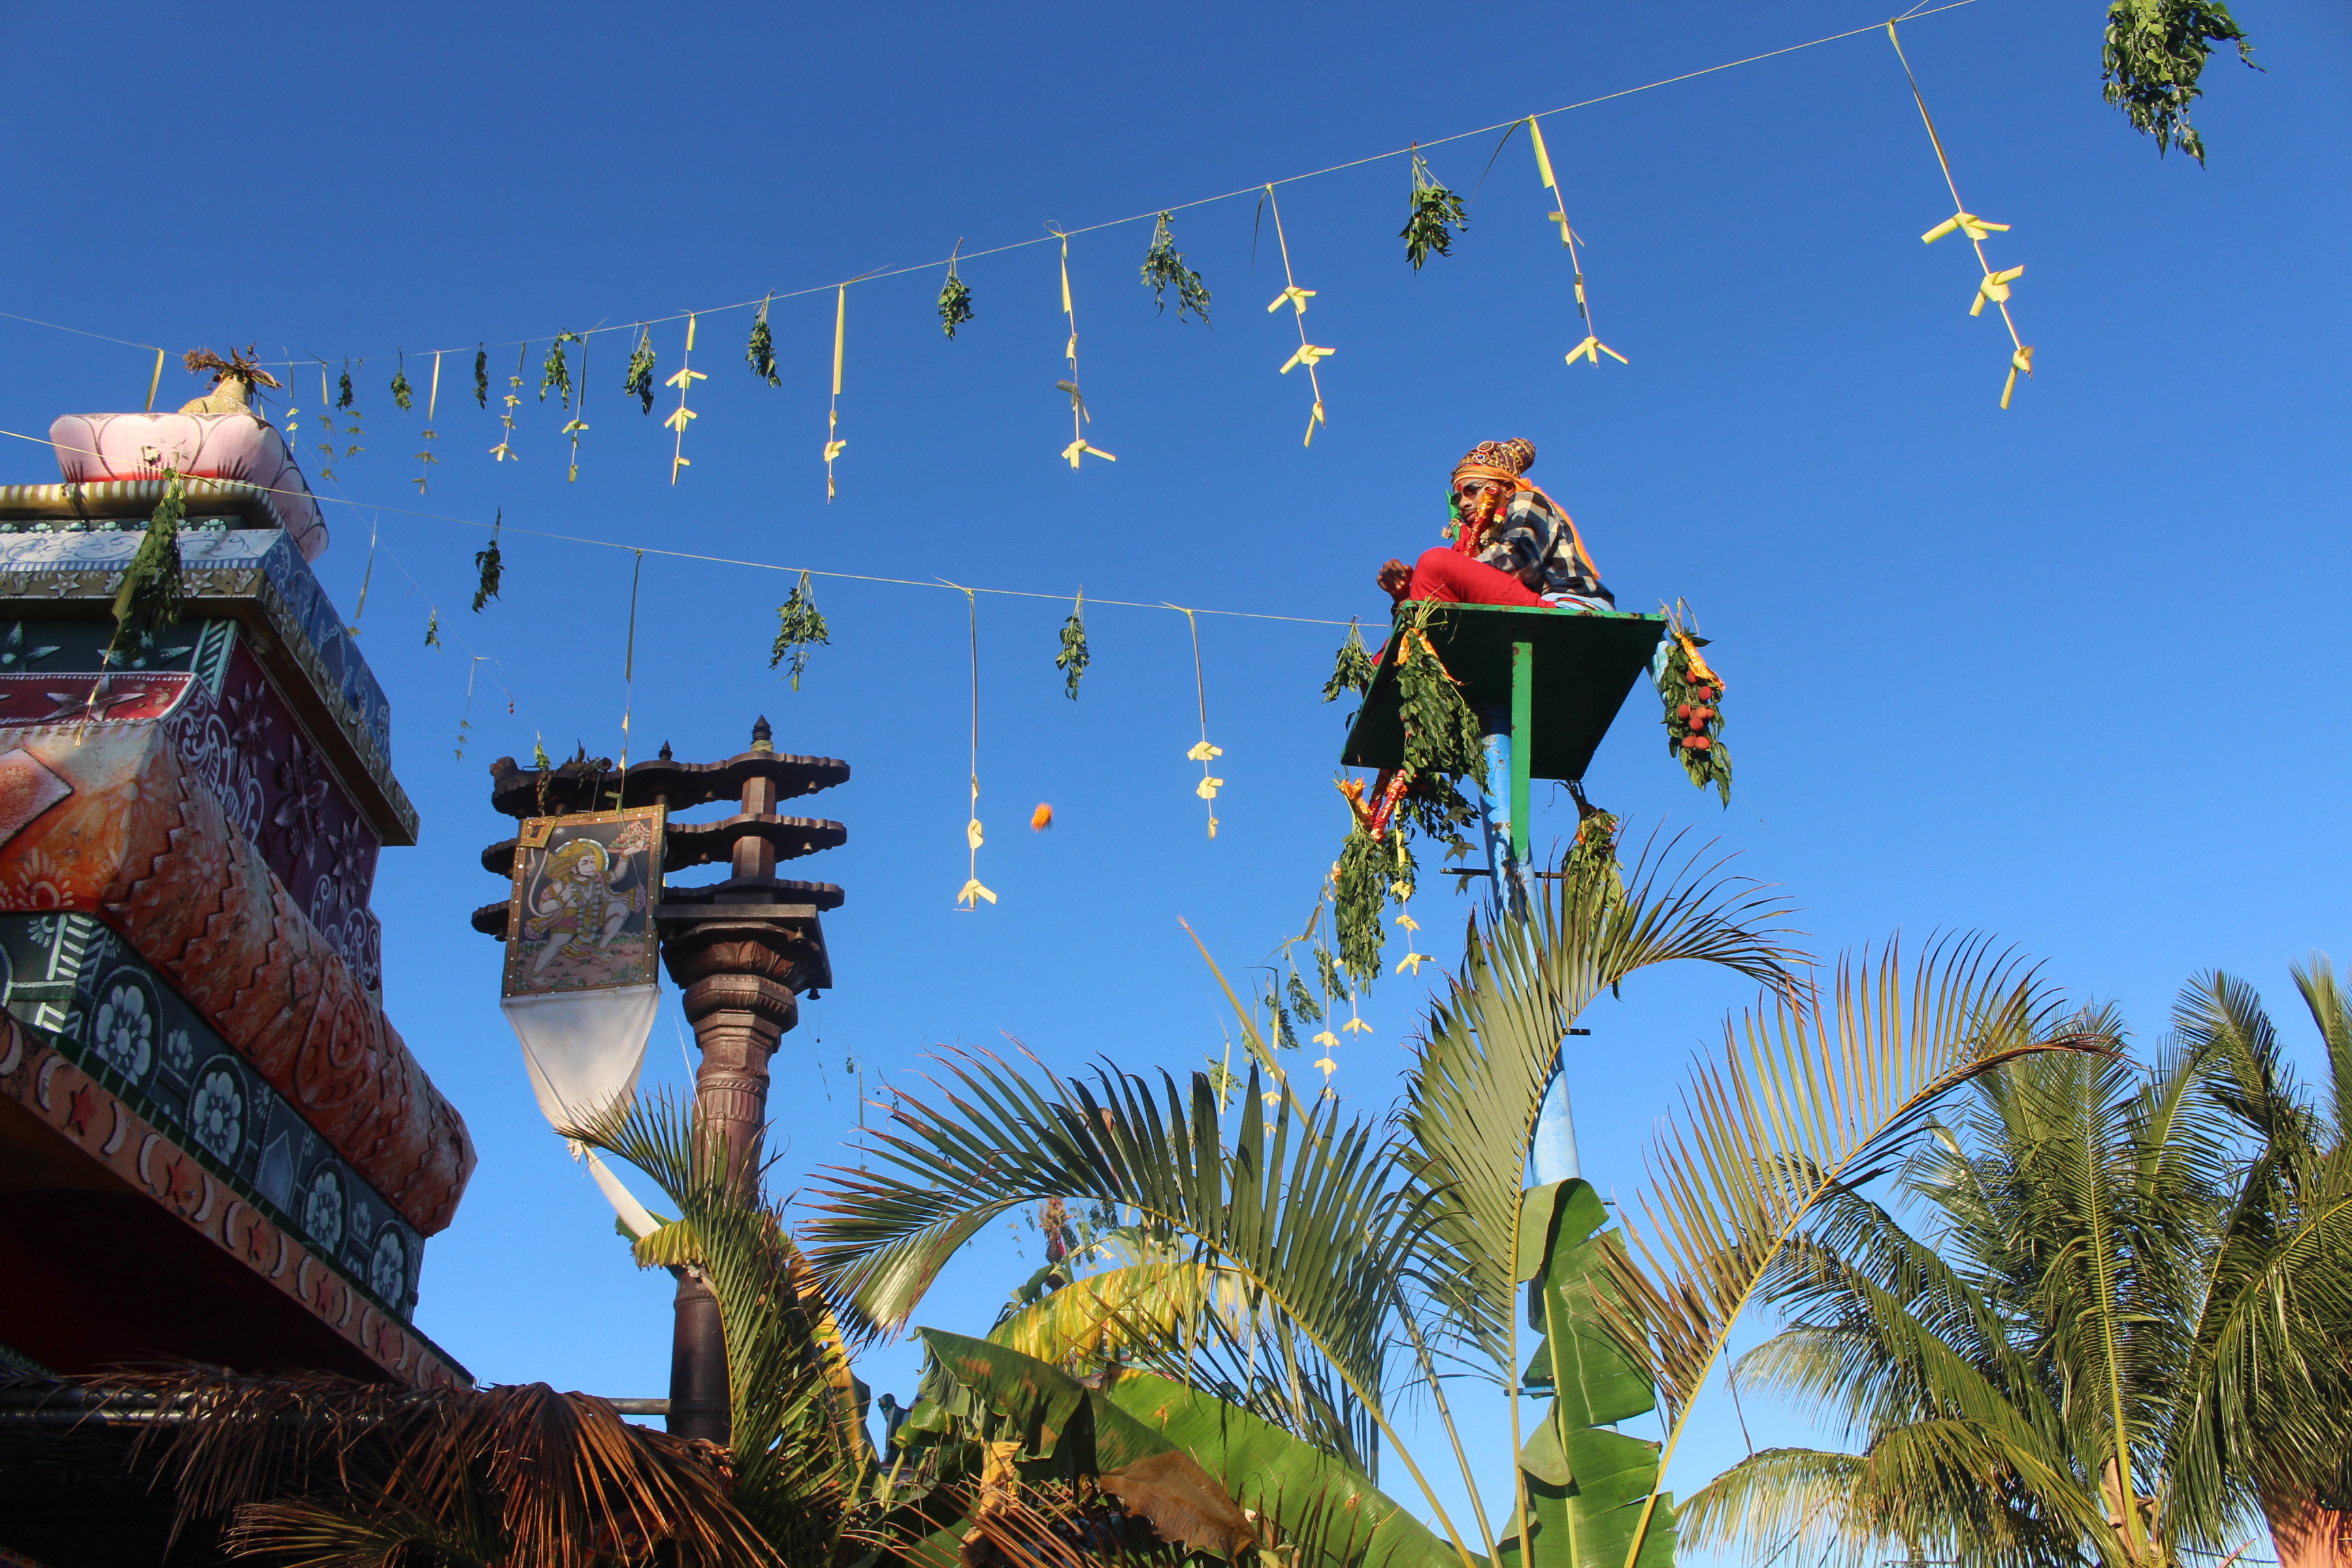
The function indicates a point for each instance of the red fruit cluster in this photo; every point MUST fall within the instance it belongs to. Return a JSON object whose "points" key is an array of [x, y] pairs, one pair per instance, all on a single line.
{"points": [[1696, 743]]}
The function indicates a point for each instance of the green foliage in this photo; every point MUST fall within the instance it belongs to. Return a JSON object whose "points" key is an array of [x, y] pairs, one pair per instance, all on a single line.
{"points": [[481, 375], [1591, 858], [151, 595], [555, 371], [2155, 53], [1585, 1482], [1302, 1001], [1436, 213], [1164, 268], [1074, 658], [639, 382], [403, 398], [488, 565], [955, 300], [760, 353], [800, 627], [1441, 733], [1353, 669], [1692, 694], [343, 389], [432, 628], [1373, 871]]}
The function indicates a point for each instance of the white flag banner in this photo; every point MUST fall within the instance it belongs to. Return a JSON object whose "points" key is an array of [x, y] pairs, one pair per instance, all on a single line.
{"points": [[582, 1048]]}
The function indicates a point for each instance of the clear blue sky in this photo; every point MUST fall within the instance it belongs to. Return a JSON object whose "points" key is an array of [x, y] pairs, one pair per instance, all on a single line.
{"points": [[2068, 674]]}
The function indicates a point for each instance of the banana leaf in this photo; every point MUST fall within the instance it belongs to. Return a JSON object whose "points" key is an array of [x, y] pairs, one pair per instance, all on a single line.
{"points": [[1336, 1516], [1586, 1482]]}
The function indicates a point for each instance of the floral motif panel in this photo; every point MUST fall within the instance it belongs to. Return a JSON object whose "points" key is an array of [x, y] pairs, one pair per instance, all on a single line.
{"points": [[116, 1018]]}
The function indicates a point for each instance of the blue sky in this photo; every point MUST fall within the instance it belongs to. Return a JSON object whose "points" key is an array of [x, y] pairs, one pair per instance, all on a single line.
{"points": [[2066, 674]]}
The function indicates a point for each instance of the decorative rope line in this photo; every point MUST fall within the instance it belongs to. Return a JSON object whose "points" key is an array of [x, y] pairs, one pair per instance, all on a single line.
{"points": [[1152, 214], [1994, 286], [1297, 297]]}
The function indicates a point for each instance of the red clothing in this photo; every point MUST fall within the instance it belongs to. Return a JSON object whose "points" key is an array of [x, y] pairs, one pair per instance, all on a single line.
{"points": [[1444, 572]]}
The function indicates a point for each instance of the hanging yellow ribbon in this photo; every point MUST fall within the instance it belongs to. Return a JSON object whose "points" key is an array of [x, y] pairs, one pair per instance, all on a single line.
{"points": [[1993, 286], [832, 442], [679, 416], [155, 382], [1591, 348], [969, 897], [1309, 355], [1079, 447]]}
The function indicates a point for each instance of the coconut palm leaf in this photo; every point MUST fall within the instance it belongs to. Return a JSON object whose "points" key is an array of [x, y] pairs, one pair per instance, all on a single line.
{"points": [[1298, 1203], [1133, 1309], [1494, 1042], [348, 1472], [796, 1437], [1814, 1089]]}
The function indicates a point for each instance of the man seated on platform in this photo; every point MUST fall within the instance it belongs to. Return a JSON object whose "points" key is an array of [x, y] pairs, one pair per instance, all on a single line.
{"points": [[1513, 545]]}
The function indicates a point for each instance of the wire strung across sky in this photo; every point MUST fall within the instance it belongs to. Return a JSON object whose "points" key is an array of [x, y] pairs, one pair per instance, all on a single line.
{"points": [[768, 296]]}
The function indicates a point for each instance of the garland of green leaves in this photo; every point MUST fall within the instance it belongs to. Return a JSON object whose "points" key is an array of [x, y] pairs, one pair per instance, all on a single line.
{"points": [[481, 375], [1693, 696], [2154, 53], [1443, 746], [1074, 658], [955, 298], [488, 564], [639, 382], [1434, 215], [761, 354], [1592, 867], [800, 627], [151, 595], [1164, 268]]}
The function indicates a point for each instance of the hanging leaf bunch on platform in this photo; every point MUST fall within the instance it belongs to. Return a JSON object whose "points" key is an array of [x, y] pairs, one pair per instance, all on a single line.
{"points": [[1693, 694]]}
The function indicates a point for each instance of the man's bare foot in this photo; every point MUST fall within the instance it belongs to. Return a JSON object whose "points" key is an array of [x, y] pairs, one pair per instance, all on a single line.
{"points": [[1394, 578]]}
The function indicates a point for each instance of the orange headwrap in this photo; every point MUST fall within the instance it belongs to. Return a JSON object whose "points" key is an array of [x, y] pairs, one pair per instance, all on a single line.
{"points": [[1504, 464]]}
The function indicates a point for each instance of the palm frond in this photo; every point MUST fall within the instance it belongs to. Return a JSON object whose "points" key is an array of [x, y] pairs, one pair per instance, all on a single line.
{"points": [[1494, 1042], [1813, 1088]]}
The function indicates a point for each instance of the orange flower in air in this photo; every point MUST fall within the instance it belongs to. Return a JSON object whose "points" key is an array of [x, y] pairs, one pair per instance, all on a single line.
{"points": [[1042, 819]]}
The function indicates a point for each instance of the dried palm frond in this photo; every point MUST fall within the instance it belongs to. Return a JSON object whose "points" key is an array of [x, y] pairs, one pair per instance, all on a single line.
{"points": [[239, 366]]}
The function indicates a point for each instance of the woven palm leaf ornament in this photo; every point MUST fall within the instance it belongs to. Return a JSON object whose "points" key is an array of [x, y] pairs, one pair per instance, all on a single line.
{"points": [[1202, 751], [833, 444], [1591, 348], [975, 892], [426, 460], [1992, 286], [1309, 355], [1079, 447], [513, 399], [682, 416]]}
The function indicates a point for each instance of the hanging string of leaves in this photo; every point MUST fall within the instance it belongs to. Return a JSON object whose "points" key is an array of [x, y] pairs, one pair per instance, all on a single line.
{"points": [[1164, 268], [150, 596], [403, 396], [1693, 696], [1592, 867], [639, 384], [1073, 658], [343, 389], [2155, 52], [800, 627], [1353, 669], [1302, 1001], [955, 298], [487, 561], [760, 355], [1371, 872], [432, 628], [481, 375], [1434, 215], [555, 371]]}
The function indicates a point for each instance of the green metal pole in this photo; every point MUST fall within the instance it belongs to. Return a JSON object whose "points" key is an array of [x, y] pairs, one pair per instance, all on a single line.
{"points": [[1523, 703]]}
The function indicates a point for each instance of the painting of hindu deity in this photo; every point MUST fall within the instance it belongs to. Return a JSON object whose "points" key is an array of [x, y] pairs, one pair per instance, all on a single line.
{"points": [[580, 915]]}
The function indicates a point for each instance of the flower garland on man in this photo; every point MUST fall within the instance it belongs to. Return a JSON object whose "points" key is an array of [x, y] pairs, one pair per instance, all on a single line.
{"points": [[1512, 544]]}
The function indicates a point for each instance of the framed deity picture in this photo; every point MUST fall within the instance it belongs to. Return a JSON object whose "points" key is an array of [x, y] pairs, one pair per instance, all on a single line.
{"points": [[580, 915]]}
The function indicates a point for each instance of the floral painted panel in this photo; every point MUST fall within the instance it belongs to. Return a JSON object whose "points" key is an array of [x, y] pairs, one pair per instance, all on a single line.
{"points": [[116, 1018], [129, 833]]}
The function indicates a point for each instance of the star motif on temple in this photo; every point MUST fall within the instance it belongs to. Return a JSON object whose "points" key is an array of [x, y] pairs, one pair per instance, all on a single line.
{"points": [[180, 1182], [256, 1242], [87, 704], [81, 1106]]}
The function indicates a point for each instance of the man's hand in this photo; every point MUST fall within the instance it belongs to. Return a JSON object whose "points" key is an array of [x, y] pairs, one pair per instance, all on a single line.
{"points": [[1394, 578]]}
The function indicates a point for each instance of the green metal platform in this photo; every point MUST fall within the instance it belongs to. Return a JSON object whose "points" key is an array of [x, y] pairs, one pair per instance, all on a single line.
{"points": [[1561, 676]]}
